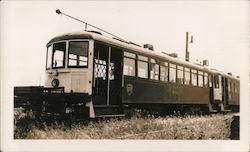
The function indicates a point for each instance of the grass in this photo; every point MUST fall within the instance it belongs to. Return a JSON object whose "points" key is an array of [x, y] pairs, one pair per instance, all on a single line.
{"points": [[216, 126]]}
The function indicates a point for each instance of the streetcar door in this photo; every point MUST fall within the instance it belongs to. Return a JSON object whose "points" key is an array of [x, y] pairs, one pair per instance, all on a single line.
{"points": [[227, 94], [107, 75], [224, 90], [217, 88], [115, 76], [100, 70]]}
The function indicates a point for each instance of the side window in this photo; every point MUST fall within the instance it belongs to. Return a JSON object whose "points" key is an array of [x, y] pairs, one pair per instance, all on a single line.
{"points": [[164, 71], [154, 69], [172, 72], [129, 64], [220, 80], [187, 76], [194, 77], [200, 78], [237, 87], [233, 86], [229, 85], [180, 74], [142, 66], [206, 79], [210, 81], [216, 81]]}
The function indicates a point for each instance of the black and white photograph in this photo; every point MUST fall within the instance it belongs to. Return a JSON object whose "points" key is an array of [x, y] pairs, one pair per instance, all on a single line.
{"points": [[124, 75]]}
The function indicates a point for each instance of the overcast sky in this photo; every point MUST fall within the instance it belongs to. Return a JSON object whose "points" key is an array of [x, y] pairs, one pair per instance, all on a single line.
{"points": [[220, 30]]}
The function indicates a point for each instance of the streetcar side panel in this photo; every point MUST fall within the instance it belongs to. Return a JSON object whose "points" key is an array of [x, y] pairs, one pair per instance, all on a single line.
{"points": [[148, 79], [233, 92], [146, 91]]}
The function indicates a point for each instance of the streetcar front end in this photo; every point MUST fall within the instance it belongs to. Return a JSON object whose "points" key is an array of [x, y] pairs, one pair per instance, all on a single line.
{"points": [[68, 83], [68, 66]]}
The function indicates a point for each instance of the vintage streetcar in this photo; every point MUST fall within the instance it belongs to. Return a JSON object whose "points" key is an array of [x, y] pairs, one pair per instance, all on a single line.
{"points": [[92, 75]]}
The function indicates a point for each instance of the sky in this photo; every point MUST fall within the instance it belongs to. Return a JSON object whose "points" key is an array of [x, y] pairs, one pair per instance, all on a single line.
{"points": [[219, 28]]}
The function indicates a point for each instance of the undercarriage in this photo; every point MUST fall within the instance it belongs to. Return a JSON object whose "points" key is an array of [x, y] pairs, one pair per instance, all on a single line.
{"points": [[43, 101]]}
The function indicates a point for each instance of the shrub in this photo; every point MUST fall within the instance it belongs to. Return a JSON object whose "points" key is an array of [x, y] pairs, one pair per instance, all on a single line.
{"points": [[215, 126]]}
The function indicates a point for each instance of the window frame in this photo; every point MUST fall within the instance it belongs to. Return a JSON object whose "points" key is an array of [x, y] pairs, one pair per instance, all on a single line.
{"points": [[178, 69], [187, 70], [237, 87], [142, 60], [153, 64], [216, 81], [131, 58], [210, 81], [64, 55], [205, 79], [200, 73], [47, 53], [164, 64], [66, 52], [174, 66], [79, 66], [196, 77], [233, 86]]}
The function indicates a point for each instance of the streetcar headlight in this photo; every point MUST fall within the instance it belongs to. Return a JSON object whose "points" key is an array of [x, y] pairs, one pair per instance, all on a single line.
{"points": [[55, 83]]}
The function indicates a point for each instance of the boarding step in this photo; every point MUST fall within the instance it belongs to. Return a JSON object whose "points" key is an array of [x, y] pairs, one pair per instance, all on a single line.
{"points": [[108, 111], [213, 111], [110, 116], [226, 110]]}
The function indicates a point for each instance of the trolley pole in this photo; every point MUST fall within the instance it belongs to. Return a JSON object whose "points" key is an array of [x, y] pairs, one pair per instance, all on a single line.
{"points": [[87, 24]]}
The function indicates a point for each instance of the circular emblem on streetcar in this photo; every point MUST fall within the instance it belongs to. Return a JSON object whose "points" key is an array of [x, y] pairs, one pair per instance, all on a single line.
{"points": [[129, 89], [55, 83]]}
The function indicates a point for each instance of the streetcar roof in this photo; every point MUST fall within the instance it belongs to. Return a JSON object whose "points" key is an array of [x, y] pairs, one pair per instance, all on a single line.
{"points": [[215, 71], [134, 48]]}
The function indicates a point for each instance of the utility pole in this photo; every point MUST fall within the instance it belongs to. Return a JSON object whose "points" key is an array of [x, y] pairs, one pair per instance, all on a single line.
{"points": [[187, 41]]}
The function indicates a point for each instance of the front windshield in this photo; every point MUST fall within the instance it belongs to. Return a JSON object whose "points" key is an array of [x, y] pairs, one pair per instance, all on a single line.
{"points": [[49, 57], [77, 54]]}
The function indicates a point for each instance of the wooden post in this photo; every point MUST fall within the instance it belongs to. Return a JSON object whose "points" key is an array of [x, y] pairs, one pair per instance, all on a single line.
{"points": [[235, 128], [187, 53]]}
